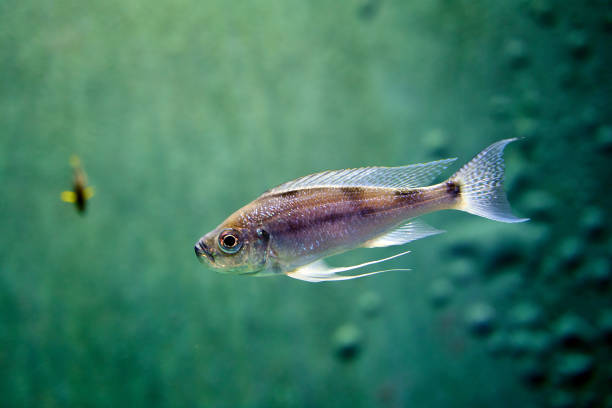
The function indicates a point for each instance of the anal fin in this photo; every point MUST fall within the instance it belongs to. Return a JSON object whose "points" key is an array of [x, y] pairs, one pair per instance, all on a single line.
{"points": [[410, 231]]}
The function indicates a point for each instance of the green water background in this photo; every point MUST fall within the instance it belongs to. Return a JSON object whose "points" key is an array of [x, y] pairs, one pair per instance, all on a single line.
{"points": [[184, 111]]}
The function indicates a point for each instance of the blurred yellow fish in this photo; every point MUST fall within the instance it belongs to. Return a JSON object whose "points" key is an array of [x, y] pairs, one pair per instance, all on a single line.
{"points": [[80, 192]]}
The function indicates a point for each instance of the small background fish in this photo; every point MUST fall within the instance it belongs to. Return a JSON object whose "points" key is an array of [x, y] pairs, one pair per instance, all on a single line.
{"points": [[80, 192]]}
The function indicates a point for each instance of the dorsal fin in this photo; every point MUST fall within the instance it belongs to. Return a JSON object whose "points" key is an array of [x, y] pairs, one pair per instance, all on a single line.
{"points": [[414, 175]]}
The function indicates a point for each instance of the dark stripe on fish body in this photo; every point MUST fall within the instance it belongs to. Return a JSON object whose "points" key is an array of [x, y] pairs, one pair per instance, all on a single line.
{"points": [[424, 199], [307, 209], [353, 193], [366, 211], [408, 197], [328, 207], [300, 224], [453, 189], [356, 196]]}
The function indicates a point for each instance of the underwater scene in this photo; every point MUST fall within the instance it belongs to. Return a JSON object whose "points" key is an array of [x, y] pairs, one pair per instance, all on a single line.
{"points": [[130, 130]]}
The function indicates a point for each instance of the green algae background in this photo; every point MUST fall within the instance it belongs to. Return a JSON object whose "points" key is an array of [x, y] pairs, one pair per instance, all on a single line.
{"points": [[184, 111]]}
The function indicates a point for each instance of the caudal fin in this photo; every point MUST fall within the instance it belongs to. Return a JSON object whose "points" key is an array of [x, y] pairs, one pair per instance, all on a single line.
{"points": [[480, 184]]}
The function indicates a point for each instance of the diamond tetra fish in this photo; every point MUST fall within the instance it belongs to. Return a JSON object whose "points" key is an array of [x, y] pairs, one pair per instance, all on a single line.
{"points": [[290, 228]]}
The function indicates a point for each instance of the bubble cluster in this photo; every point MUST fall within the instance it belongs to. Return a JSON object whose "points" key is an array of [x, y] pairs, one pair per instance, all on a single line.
{"points": [[537, 295]]}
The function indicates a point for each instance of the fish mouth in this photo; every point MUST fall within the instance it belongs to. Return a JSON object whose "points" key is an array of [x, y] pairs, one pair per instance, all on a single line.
{"points": [[202, 251]]}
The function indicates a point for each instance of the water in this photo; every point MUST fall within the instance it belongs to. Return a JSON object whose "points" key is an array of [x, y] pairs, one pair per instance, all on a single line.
{"points": [[184, 112]]}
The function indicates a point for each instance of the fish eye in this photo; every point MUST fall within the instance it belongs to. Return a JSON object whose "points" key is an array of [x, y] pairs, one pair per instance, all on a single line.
{"points": [[229, 241]]}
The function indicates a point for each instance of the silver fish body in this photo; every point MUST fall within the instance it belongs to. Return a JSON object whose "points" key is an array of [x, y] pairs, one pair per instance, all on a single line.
{"points": [[290, 228]]}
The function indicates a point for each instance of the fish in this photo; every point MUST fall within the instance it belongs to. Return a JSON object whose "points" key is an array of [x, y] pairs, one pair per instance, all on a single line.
{"points": [[291, 228], [80, 192]]}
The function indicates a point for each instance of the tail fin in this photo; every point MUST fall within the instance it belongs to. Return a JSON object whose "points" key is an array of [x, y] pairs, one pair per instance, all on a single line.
{"points": [[480, 184]]}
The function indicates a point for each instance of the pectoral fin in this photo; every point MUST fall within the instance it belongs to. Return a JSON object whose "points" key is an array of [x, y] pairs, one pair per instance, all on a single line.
{"points": [[68, 196], [89, 192], [319, 271]]}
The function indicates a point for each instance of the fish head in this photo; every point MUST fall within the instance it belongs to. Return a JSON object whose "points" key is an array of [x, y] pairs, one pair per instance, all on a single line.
{"points": [[235, 250]]}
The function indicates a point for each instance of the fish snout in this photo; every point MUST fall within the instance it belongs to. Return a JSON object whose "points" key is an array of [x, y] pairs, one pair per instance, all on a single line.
{"points": [[202, 250]]}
